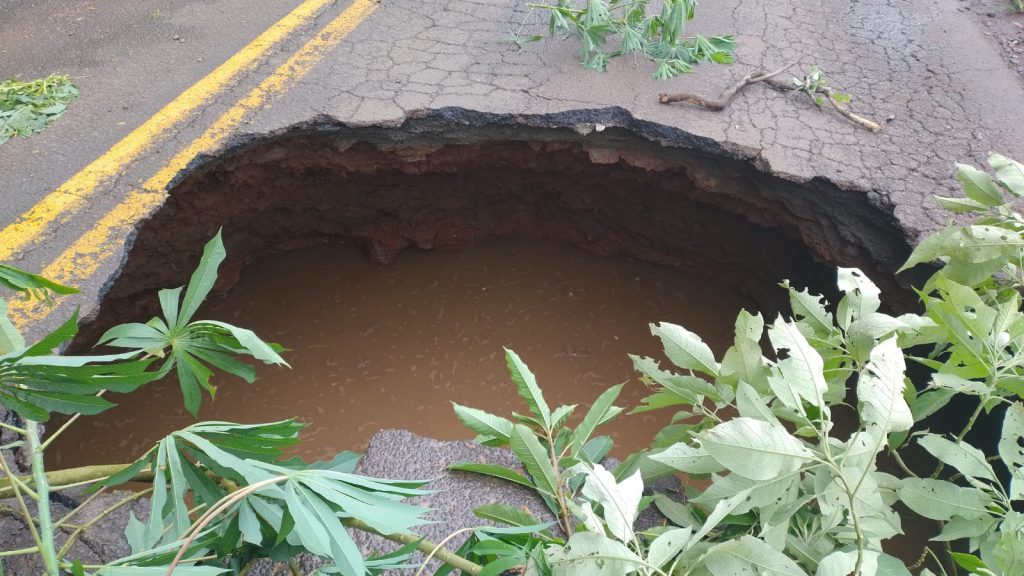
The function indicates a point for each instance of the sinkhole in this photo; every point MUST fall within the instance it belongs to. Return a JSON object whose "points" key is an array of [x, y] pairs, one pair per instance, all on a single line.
{"points": [[396, 263]]}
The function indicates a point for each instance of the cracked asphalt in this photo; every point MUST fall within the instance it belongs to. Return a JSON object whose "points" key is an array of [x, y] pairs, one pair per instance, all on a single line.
{"points": [[921, 63]]}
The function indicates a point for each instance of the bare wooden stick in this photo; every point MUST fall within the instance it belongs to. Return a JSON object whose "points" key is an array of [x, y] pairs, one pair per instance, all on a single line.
{"points": [[730, 93], [859, 120]]}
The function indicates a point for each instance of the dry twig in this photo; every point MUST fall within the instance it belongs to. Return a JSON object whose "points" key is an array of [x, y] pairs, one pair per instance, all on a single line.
{"points": [[768, 78]]}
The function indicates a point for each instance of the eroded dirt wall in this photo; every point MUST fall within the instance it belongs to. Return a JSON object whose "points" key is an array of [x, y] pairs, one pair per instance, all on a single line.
{"points": [[612, 192]]}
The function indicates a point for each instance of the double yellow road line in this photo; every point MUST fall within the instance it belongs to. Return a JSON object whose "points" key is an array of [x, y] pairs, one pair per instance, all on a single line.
{"points": [[84, 257]]}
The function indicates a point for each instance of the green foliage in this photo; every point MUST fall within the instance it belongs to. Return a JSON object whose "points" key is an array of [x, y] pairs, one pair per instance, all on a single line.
{"points": [[786, 429], [192, 348], [28, 107], [542, 441], [789, 488], [222, 494], [814, 83], [658, 35], [290, 507]]}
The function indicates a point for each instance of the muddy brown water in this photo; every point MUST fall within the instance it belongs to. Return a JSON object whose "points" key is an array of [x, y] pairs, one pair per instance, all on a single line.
{"points": [[391, 346]]}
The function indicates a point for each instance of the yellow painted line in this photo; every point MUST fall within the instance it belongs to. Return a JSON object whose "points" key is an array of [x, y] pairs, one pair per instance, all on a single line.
{"points": [[59, 205], [104, 240]]}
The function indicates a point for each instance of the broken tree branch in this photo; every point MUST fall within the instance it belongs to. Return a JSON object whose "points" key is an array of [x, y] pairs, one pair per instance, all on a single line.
{"points": [[730, 93], [726, 97]]}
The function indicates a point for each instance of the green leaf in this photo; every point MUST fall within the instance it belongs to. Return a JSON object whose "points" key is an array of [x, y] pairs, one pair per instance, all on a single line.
{"points": [[248, 340], [668, 545], [1011, 448], [861, 298], [169, 299], [801, 376], [749, 555], [968, 562], [202, 280], [491, 428], [64, 403], [136, 336], [592, 554], [941, 500], [181, 570], [978, 185], [755, 449], [190, 381], [601, 411], [685, 349], [967, 459], [500, 566], [507, 515], [961, 205], [561, 415], [10, 339], [810, 309], [1009, 172], [1009, 553], [880, 390], [24, 409], [619, 501], [534, 457], [972, 244], [687, 459], [749, 403], [31, 284], [526, 386], [492, 470], [596, 449]]}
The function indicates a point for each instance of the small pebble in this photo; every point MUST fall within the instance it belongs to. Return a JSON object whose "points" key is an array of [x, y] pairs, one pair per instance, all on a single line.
{"points": [[175, 37], [991, 14]]}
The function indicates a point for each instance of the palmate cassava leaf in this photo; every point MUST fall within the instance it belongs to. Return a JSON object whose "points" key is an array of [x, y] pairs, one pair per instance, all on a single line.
{"points": [[191, 348], [303, 505], [11, 339], [34, 382], [31, 285]]}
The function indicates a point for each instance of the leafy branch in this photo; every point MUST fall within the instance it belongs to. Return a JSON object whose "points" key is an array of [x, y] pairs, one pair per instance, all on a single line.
{"points": [[658, 36]]}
